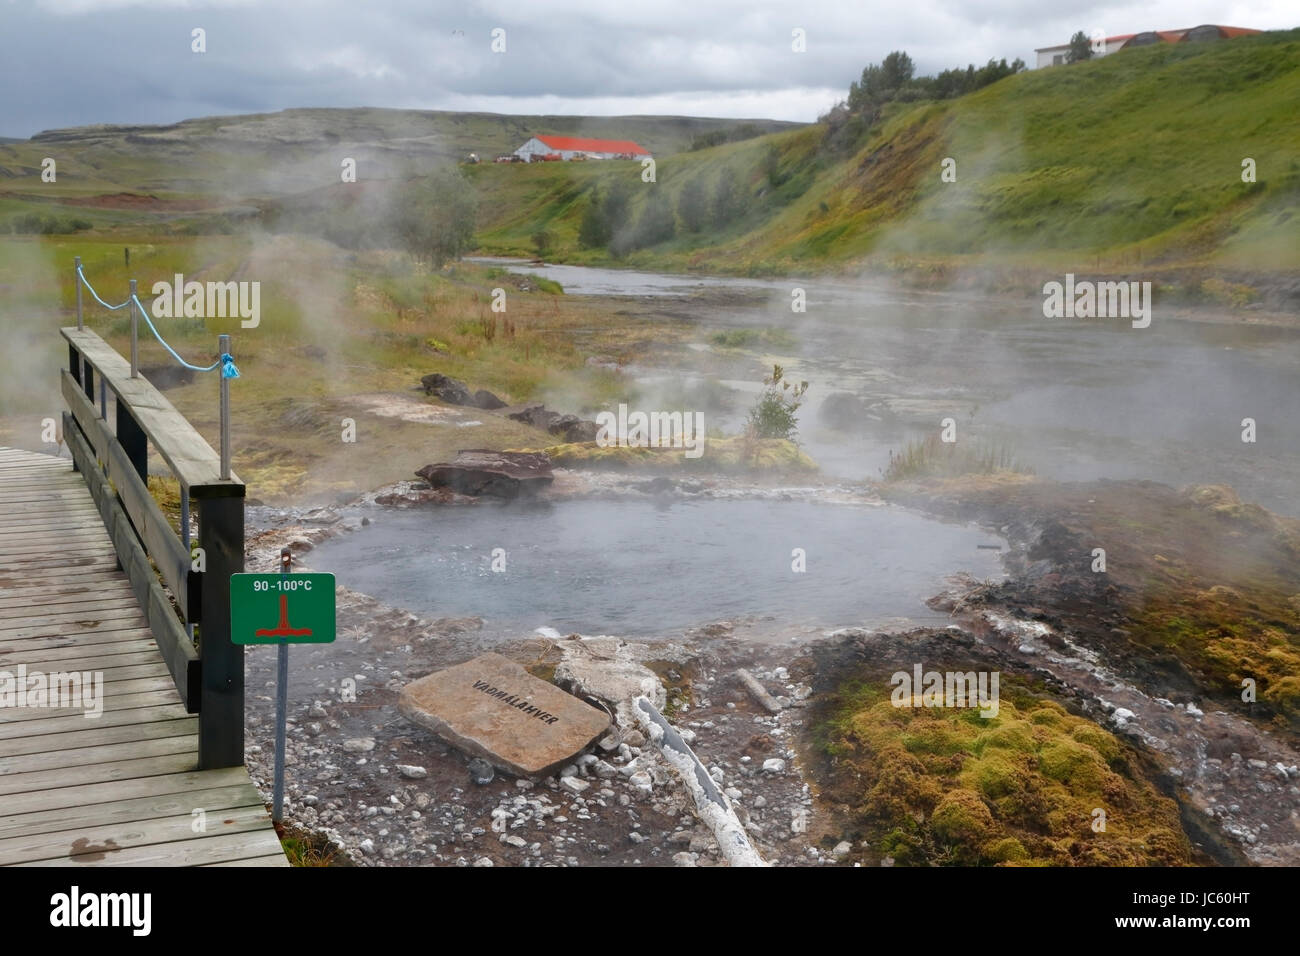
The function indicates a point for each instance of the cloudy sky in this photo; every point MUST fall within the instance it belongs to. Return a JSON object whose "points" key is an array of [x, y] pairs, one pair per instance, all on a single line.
{"points": [[74, 62]]}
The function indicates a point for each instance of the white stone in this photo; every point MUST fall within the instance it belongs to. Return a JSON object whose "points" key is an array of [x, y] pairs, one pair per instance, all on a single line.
{"points": [[412, 772], [774, 765]]}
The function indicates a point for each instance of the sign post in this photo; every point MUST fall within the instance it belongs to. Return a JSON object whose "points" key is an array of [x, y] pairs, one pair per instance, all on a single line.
{"points": [[261, 613]]}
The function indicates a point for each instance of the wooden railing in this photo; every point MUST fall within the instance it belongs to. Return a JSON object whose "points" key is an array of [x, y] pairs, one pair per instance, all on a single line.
{"points": [[115, 464]]}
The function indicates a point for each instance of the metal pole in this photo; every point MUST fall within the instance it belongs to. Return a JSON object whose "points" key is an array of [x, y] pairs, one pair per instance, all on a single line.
{"points": [[76, 280], [223, 346], [281, 703], [135, 322]]}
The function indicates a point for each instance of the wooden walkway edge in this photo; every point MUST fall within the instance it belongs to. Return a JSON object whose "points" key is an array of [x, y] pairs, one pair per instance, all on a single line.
{"points": [[120, 788]]}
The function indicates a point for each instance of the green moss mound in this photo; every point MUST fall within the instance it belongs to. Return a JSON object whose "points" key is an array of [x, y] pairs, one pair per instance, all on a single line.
{"points": [[945, 786]]}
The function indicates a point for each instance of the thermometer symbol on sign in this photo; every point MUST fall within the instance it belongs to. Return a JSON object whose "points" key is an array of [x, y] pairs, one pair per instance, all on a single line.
{"points": [[283, 629]]}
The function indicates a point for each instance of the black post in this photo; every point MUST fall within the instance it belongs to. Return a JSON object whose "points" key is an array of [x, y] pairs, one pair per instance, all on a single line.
{"points": [[130, 436], [74, 363], [221, 712], [88, 380]]}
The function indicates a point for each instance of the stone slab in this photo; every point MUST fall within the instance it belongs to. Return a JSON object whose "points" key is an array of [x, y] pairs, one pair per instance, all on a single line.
{"points": [[492, 708]]}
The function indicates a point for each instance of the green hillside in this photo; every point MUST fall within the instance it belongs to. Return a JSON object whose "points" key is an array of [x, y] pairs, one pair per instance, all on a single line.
{"points": [[1134, 159]]}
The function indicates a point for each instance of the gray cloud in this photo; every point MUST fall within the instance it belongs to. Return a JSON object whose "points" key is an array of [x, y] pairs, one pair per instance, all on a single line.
{"points": [[75, 62]]}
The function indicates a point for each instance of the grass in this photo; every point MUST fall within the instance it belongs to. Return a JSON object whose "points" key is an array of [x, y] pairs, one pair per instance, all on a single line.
{"points": [[932, 458], [1127, 162]]}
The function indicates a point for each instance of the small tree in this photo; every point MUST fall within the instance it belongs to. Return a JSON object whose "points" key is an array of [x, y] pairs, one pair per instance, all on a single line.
{"points": [[1080, 48], [692, 206], [591, 232], [542, 242], [433, 216], [774, 415], [726, 199]]}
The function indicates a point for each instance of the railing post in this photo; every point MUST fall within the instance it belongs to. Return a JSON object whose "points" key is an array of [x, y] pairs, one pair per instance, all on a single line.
{"points": [[223, 346], [135, 322], [76, 281], [221, 711], [133, 440]]}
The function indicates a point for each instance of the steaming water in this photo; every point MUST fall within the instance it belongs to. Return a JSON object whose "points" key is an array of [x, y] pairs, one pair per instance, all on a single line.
{"points": [[644, 568], [1074, 399]]}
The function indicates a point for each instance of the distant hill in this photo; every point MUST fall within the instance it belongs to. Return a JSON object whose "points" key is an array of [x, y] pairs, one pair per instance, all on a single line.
{"points": [[1132, 160], [298, 149]]}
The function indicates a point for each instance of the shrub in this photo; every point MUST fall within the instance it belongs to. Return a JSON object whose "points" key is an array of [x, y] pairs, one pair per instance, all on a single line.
{"points": [[774, 415]]}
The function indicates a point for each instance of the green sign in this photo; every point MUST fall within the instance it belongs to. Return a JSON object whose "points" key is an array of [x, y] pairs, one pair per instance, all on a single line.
{"points": [[281, 608]]}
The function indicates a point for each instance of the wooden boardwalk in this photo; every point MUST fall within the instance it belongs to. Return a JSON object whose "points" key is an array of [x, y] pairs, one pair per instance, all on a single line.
{"points": [[122, 788]]}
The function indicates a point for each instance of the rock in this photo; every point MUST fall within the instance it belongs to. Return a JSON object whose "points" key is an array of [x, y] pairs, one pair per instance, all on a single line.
{"points": [[481, 772], [584, 430], [604, 668], [1194, 711], [450, 390], [317, 710], [503, 474], [634, 738], [604, 770], [562, 423], [842, 849], [774, 765], [359, 745], [485, 399], [684, 859], [367, 846], [411, 772], [574, 784], [636, 837], [492, 708], [1123, 714], [533, 413], [843, 411], [642, 782]]}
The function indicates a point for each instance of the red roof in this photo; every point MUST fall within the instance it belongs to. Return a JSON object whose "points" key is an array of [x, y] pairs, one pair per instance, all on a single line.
{"points": [[594, 145]]}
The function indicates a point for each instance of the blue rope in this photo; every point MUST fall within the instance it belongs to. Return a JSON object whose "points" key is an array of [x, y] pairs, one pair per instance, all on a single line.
{"points": [[226, 362], [86, 283]]}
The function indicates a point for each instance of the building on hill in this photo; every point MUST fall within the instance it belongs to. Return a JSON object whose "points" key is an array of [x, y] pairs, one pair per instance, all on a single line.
{"points": [[577, 147], [1055, 55]]}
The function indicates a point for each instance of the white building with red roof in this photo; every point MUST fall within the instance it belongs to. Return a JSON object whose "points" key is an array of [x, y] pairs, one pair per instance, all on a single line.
{"points": [[1055, 55], [574, 147]]}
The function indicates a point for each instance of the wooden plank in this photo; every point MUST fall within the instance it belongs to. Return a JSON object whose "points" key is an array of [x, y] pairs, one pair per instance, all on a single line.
{"points": [[108, 676], [278, 860], [68, 603], [72, 623], [84, 586], [103, 844], [103, 635], [173, 642], [190, 458], [108, 791], [197, 852], [47, 780], [90, 616], [18, 767], [161, 543], [114, 695], [187, 726], [109, 718], [120, 812], [101, 653]]}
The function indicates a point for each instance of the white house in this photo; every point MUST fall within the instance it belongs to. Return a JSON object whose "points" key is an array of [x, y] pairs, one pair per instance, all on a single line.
{"points": [[574, 147], [1102, 46]]}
